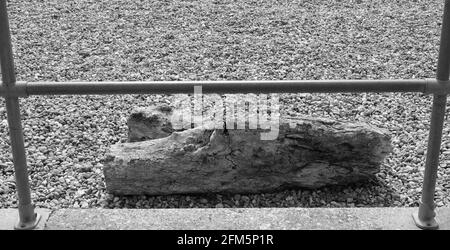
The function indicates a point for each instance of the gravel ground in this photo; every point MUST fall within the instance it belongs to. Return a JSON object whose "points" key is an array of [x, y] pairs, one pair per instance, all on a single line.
{"points": [[67, 137]]}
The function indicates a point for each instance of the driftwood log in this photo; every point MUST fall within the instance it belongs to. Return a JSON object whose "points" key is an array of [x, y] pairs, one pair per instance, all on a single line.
{"points": [[308, 152]]}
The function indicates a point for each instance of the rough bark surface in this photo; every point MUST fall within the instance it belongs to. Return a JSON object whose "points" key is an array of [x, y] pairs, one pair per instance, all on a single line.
{"points": [[308, 153], [150, 123]]}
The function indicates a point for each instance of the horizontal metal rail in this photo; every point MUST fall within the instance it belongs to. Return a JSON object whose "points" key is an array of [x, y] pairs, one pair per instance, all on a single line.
{"points": [[428, 86]]}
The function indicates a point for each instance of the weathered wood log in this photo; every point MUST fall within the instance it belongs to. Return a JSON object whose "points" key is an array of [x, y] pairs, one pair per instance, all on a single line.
{"points": [[308, 152]]}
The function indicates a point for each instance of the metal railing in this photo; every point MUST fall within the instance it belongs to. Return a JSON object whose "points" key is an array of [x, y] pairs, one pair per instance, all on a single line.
{"points": [[12, 90]]}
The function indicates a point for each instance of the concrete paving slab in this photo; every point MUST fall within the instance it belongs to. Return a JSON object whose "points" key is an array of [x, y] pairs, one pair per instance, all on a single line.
{"points": [[240, 219], [10, 216]]}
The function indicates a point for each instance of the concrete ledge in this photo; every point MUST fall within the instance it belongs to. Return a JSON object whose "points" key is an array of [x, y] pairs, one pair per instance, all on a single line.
{"points": [[226, 219], [241, 219], [9, 218]]}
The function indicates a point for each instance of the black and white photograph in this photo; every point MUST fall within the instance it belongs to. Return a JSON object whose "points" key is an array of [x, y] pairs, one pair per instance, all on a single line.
{"points": [[224, 123]]}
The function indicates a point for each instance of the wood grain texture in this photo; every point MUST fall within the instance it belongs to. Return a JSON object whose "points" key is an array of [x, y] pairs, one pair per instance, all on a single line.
{"points": [[308, 152]]}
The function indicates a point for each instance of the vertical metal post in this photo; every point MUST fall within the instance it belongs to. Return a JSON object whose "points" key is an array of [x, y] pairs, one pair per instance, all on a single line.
{"points": [[27, 218], [425, 217]]}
